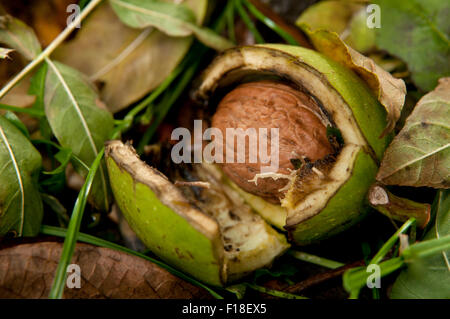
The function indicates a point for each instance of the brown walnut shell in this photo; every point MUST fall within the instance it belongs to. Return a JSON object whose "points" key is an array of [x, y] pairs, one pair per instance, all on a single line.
{"points": [[267, 104]]}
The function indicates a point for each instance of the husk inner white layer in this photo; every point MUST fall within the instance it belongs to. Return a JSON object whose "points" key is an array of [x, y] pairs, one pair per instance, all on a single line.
{"points": [[249, 242]]}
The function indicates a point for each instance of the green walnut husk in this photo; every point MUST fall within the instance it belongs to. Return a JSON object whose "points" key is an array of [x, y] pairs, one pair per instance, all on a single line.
{"points": [[317, 207], [216, 247], [222, 233]]}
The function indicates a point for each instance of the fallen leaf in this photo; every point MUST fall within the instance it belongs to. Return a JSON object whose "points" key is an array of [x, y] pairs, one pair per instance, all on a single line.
{"points": [[420, 154], [127, 63], [20, 202], [389, 90], [418, 33], [78, 123], [171, 18], [27, 271]]}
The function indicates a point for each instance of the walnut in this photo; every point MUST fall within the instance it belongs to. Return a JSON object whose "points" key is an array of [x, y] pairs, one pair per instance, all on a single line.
{"points": [[266, 104]]}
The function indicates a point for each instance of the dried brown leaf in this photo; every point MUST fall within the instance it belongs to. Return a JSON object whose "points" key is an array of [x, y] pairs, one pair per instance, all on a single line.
{"points": [[27, 270]]}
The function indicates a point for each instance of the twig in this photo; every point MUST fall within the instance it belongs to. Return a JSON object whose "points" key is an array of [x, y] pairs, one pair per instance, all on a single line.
{"points": [[315, 280]]}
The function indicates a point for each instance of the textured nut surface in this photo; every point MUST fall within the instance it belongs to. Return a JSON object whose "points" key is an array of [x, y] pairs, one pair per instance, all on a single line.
{"points": [[267, 104]]}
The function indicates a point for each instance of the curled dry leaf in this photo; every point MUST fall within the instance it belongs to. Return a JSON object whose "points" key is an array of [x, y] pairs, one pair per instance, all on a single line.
{"points": [[420, 154], [27, 270], [125, 62], [389, 90]]}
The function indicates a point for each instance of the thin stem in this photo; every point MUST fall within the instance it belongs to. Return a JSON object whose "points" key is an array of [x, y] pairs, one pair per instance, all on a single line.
{"points": [[29, 111], [248, 22], [51, 47], [313, 259], [270, 23]]}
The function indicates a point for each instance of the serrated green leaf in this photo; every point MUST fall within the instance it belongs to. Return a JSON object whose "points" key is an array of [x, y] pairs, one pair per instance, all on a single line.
{"points": [[20, 202], [420, 154], [78, 122], [19, 36], [173, 19], [428, 278], [418, 33]]}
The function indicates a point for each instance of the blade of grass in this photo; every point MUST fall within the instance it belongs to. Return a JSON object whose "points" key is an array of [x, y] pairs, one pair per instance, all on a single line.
{"points": [[193, 61], [313, 259], [169, 99], [270, 23], [427, 248], [57, 289], [248, 21], [230, 21], [356, 278], [391, 241], [89, 239]]}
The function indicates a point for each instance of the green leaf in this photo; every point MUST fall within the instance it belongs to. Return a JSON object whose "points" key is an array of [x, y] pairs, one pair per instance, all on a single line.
{"points": [[418, 33], [173, 19], [78, 122], [20, 202], [19, 36], [420, 154], [63, 156], [10, 116], [37, 87], [428, 277]]}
